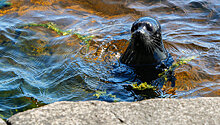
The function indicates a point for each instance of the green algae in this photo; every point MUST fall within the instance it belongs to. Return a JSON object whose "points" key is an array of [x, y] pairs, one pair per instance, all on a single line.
{"points": [[147, 90], [104, 94], [163, 77], [175, 65], [54, 27], [143, 86], [32, 103]]}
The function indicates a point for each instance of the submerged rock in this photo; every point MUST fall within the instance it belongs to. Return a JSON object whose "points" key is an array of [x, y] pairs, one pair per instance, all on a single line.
{"points": [[153, 111]]}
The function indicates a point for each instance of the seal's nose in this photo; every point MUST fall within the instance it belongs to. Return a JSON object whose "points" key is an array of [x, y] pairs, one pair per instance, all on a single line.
{"points": [[141, 31]]}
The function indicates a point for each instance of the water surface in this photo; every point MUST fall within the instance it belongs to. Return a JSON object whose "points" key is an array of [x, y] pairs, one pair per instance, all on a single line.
{"points": [[39, 66]]}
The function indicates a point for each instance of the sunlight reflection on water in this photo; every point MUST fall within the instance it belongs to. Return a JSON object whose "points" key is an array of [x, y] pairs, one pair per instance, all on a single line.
{"points": [[37, 62]]}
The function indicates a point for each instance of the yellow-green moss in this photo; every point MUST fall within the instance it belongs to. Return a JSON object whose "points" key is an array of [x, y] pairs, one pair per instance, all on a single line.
{"points": [[99, 94], [52, 26], [143, 86], [175, 65], [163, 75]]}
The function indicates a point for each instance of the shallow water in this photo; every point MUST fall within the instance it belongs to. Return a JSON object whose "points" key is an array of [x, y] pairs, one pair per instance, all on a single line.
{"points": [[39, 66]]}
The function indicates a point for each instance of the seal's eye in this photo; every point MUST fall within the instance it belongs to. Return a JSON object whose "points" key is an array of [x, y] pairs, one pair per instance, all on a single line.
{"points": [[135, 27], [149, 27]]}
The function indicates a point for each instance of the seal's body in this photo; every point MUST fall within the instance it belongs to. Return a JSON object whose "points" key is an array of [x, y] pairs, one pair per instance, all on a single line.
{"points": [[146, 52]]}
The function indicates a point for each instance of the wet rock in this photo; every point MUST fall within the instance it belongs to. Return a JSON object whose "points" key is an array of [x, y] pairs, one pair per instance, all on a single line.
{"points": [[2, 122], [154, 111]]}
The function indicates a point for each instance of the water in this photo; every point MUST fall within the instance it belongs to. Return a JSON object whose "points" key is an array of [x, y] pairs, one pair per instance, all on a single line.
{"points": [[39, 66]]}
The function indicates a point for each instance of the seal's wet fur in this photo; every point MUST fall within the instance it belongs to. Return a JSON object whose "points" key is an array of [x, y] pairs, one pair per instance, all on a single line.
{"points": [[146, 52]]}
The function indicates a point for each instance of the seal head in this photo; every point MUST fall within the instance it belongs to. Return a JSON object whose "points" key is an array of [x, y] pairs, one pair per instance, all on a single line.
{"points": [[146, 49], [146, 46]]}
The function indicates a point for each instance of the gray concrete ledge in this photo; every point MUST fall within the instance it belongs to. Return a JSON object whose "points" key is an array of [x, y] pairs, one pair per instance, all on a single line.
{"points": [[148, 112], [2, 122]]}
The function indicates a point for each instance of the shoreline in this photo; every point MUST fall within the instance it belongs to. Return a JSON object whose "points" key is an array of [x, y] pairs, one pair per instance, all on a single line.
{"points": [[202, 110]]}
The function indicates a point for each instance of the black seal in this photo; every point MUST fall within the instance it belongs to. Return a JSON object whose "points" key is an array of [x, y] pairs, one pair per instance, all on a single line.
{"points": [[146, 52]]}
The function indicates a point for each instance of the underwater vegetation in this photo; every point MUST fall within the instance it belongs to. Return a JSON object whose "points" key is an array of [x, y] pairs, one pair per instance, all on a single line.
{"points": [[144, 89], [53, 26]]}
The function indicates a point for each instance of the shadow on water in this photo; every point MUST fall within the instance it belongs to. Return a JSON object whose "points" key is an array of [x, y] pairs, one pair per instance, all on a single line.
{"points": [[39, 66]]}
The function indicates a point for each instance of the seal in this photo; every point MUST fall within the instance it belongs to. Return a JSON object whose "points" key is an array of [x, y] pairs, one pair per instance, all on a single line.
{"points": [[146, 52]]}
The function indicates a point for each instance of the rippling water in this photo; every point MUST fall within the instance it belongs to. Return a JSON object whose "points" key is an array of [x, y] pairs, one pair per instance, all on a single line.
{"points": [[39, 66]]}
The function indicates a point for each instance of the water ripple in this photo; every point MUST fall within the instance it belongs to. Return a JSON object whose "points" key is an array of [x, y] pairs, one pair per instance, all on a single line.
{"points": [[39, 66]]}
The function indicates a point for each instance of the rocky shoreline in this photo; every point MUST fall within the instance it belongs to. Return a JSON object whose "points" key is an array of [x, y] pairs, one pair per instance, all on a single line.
{"points": [[205, 110]]}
